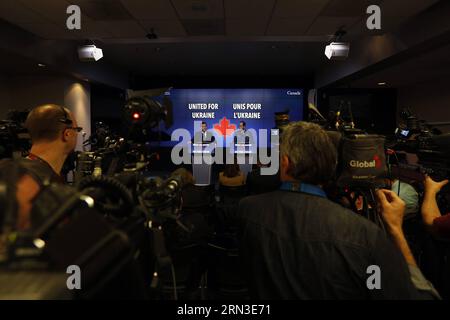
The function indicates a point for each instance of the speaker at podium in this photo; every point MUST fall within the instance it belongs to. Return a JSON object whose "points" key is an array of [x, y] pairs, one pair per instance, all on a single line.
{"points": [[244, 148], [201, 167], [203, 145]]}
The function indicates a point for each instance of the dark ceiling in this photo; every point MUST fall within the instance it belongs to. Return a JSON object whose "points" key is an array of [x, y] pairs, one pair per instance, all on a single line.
{"points": [[434, 65], [203, 38]]}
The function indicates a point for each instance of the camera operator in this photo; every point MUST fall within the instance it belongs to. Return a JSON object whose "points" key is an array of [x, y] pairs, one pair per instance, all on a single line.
{"points": [[53, 130], [437, 224], [297, 244]]}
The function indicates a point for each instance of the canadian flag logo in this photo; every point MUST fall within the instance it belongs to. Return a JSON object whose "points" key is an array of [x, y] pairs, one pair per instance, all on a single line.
{"points": [[224, 127]]}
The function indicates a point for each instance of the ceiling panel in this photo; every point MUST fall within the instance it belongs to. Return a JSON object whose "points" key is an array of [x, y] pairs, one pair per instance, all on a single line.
{"points": [[52, 11], [15, 12], [248, 9], [348, 8], [204, 17], [289, 27], [202, 27], [164, 28], [246, 27], [46, 30], [150, 9], [103, 10], [90, 30], [293, 9], [329, 25], [404, 8], [123, 29], [199, 9]]}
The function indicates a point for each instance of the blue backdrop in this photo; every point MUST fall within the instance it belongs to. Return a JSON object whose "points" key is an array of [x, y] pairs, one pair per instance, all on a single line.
{"points": [[225, 108]]}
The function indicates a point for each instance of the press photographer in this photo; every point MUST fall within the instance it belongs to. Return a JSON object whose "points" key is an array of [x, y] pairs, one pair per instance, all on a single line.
{"points": [[299, 221]]}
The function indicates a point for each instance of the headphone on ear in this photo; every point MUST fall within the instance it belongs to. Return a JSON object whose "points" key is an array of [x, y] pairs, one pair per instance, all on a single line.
{"points": [[66, 119]]}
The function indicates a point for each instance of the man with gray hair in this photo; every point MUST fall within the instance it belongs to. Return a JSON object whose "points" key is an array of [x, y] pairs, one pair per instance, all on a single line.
{"points": [[297, 244]]}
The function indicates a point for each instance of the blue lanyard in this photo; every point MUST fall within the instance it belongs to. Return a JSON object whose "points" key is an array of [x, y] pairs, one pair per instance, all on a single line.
{"points": [[303, 188]]}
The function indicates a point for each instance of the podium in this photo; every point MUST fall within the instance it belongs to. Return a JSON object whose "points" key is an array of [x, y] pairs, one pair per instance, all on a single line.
{"points": [[202, 171], [244, 149]]}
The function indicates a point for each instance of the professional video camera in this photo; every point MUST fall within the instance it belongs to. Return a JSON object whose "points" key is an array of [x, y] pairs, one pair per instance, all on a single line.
{"points": [[430, 145], [14, 138], [361, 161], [111, 228], [142, 114], [111, 153], [119, 156]]}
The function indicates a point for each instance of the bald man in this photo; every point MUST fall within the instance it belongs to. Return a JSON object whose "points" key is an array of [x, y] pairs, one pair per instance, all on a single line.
{"points": [[54, 131]]}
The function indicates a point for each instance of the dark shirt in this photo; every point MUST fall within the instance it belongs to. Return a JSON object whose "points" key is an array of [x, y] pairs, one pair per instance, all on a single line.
{"points": [[203, 137], [301, 246], [257, 183], [195, 197], [41, 169]]}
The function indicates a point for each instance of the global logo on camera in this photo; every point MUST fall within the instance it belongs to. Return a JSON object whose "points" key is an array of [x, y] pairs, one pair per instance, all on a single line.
{"points": [[375, 163]]}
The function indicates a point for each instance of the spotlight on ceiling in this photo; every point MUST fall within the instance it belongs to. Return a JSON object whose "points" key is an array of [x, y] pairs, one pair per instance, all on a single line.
{"points": [[89, 53], [41, 65], [338, 50], [382, 83]]}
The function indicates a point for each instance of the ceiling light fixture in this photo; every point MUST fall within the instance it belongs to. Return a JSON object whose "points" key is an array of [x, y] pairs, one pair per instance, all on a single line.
{"points": [[90, 53], [338, 50]]}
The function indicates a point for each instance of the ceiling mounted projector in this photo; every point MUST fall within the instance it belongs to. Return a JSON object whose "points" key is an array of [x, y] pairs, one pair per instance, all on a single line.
{"points": [[90, 53], [337, 50]]}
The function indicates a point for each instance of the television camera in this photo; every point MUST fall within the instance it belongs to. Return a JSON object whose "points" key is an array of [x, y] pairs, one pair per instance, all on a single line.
{"points": [[430, 145], [111, 222], [14, 138]]}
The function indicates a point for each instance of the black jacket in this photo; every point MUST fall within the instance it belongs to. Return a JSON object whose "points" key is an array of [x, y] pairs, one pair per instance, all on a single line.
{"points": [[199, 137], [257, 183], [300, 246]]}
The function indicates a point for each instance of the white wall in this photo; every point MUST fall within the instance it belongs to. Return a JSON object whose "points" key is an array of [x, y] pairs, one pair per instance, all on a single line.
{"points": [[77, 97], [26, 92]]}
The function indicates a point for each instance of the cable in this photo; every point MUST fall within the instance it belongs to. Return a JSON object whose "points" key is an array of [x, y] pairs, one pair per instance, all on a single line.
{"points": [[111, 187]]}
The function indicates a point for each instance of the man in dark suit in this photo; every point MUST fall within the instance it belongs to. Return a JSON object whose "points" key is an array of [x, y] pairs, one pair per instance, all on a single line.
{"points": [[240, 135], [203, 136], [297, 244]]}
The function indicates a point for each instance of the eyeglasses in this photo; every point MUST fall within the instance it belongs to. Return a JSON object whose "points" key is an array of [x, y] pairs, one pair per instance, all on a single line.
{"points": [[77, 129]]}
